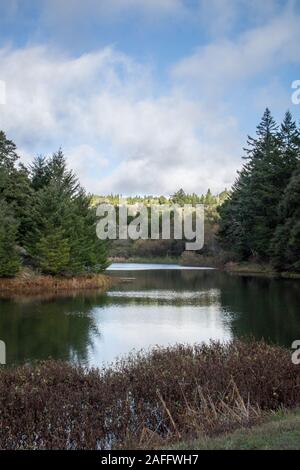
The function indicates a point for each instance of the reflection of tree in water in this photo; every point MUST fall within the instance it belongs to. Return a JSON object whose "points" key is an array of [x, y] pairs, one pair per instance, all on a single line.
{"points": [[260, 307], [176, 280], [62, 328], [171, 287], [65, 327], [264, 308]]}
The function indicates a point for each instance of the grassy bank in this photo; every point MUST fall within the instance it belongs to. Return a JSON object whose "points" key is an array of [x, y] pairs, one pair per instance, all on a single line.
{"points": [[258, 269], [278, 431], [28, 282], [151, 400]]}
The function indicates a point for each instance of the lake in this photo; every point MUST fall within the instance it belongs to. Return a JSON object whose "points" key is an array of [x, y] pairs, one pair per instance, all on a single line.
{"points": [[154, 305]]}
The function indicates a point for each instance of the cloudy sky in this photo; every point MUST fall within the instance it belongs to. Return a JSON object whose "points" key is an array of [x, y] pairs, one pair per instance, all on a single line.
{"points": [[146, 96]]}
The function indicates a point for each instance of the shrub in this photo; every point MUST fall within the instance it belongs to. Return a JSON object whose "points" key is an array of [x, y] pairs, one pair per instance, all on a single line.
{"points": [[145, 400]]}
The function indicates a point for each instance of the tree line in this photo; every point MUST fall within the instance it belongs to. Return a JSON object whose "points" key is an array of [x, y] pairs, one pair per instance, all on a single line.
{"points": [[47, 221], [261, 217], [179, 197]]}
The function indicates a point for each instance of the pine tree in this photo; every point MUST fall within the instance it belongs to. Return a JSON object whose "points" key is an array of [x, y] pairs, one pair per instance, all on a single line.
{"points": [[264, 191], [179, 197], [8, 154], [286, 241], [50, 215], [289, 136], [62, 210], [9, 259], [15, 186], [39, 173], [249, 217], [53, 251]]}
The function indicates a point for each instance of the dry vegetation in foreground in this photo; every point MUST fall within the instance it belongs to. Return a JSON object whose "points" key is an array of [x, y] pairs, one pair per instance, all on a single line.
{"points": [[278, 431], [145, 400], [27, 282]]}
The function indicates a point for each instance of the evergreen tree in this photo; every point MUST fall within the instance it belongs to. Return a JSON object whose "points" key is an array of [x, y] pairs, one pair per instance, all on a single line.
{"points": [[249, 217], [179, 197], [9, 259], [45, 210], [286, 241], [8, 154], [38, 172], [58, 172], [50, 215], [53, 251], [63, 213], [264, 191], [15, 186], [209, 198]]}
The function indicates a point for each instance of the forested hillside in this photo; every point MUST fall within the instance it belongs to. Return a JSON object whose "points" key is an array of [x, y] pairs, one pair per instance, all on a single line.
{"points": [[171, 248]]}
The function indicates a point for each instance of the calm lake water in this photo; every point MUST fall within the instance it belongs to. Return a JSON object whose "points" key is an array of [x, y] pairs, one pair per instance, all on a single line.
{"points": [[155, 305]]}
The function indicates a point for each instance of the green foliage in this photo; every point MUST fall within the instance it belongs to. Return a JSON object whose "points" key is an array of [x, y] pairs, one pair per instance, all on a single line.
{"points": [[62, 210], [286, 241], [8, 155], [46, 212], [53, 251], [15, 186], [9, 259], [179, 197], [250, 216], [39, 175]]}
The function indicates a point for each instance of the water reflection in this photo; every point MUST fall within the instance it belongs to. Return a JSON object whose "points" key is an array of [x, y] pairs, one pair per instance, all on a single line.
{"points": [[153, 307]]}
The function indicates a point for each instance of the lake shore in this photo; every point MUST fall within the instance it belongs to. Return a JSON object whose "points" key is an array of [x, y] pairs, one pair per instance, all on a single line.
{"points": [[28, 283], [258, 269], [185, 259], [195, 260]]}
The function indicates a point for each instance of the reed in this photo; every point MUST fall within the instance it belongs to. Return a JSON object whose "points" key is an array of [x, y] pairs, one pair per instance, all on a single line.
{"points": [[146, 400], [28, 282]]}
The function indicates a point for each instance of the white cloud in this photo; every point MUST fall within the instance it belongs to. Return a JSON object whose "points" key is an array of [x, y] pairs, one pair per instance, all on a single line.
{"points": [[100, 108], [219, 65], [119, 133]]}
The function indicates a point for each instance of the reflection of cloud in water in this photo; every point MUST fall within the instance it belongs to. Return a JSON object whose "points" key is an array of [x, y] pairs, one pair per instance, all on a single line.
{"points": [[154, 267], [124, 330], [165, 294], [164, 297]]}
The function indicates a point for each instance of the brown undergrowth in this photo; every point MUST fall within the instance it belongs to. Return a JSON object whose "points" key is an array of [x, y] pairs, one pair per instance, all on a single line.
{"points": [[27, 282], [146, 400]]}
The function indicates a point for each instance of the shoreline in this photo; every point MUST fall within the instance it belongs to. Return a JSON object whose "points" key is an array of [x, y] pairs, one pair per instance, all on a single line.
{"points": [[41, 284], [259, 270], [242, 269], [28, 283]]}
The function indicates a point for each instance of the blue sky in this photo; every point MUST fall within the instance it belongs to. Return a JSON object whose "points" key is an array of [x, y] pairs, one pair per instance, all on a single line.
{"points": [[146, 96]]}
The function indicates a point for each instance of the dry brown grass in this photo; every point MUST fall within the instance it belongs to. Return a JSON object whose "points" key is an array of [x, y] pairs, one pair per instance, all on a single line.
{"points": [[27, 282], [145, 400]]}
